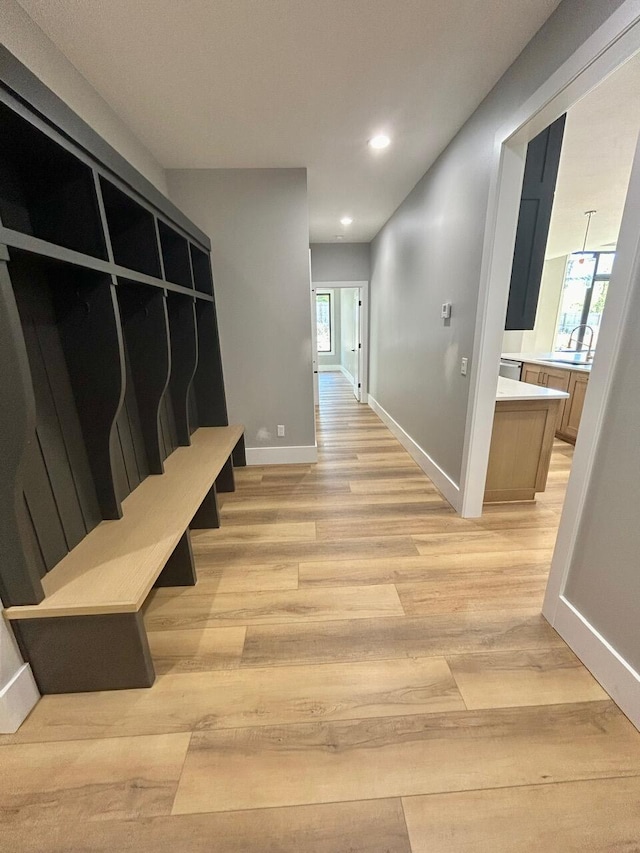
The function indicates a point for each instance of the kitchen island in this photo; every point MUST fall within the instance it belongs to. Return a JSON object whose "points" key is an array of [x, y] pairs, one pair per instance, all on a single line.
{"points": [[564, 371], [524, 426]]}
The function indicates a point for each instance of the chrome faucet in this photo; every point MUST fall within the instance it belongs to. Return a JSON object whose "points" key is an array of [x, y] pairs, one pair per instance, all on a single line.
{"points": [[591, 349]]}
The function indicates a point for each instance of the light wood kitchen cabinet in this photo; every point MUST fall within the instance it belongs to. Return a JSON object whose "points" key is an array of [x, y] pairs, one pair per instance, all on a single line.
{"points": [[531, 373], [548, 377], [573, 381], [574, 405], [521, 445]]}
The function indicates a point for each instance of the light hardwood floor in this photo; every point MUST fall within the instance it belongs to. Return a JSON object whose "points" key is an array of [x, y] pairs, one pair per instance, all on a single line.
{"points": [[358, 669]]}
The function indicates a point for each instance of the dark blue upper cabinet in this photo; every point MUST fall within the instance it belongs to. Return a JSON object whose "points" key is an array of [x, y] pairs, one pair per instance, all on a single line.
{"points": [[536, 203]]}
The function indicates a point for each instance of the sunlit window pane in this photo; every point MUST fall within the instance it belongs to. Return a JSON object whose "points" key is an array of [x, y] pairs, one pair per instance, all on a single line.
{"points": [[323, 318], [605, 263], [582, 300]]}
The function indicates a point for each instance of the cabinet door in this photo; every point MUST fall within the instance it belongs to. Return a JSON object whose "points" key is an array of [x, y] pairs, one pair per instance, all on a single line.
{"points": [[536, 203], [558, 379], [574, 405], [532, 374]]}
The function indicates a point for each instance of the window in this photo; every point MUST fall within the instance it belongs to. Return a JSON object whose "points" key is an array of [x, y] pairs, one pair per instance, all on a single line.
{"points": [[584, 292], [324, 319]]}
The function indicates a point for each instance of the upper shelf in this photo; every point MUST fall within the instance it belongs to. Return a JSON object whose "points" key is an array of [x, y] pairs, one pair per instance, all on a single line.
{"points": [[18, 82], [175, 255], [58, 203], [132, 231], [201, 266], [45, 191]]}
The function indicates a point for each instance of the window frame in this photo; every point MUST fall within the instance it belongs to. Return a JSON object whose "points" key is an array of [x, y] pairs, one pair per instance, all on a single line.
{"points": [[332, 324], [588, 298]]}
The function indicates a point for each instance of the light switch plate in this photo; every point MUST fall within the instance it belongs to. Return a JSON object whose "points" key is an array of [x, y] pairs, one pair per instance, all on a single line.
{"points": [[445, 311], [464, 364]]}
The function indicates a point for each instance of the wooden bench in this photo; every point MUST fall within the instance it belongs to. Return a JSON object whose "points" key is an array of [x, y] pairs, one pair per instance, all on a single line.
{"points": [[88, 632]]}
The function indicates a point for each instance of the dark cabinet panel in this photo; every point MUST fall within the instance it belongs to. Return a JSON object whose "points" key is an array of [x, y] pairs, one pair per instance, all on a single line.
{"points": [[536, 204], [184, 360], [145, 324], [133, 465], [208, 381], [67, 451]]}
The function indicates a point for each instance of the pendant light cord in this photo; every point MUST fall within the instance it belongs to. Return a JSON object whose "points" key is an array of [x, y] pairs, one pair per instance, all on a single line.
{"points": [[588, 213]]}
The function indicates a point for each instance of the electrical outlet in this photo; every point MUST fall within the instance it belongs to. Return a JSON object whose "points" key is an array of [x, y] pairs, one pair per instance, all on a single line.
{"points": [[463, 366], [280, 430]]}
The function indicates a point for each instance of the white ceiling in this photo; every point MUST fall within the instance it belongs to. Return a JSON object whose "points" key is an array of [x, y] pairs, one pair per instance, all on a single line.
{"points": [[279, 83], [597, 152]]}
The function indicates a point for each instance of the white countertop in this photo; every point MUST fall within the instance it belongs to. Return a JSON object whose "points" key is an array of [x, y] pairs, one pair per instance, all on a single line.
{"points": [[570, 361], [511, 389]]}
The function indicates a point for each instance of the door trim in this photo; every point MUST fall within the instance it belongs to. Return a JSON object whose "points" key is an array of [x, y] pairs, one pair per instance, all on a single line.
{"points": [[616, 41], [363, 360]]}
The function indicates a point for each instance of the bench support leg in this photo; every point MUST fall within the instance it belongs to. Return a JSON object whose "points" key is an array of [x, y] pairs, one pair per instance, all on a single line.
{"points": [[180, 570], [238, 454], [76, 654], [208, 516], [225, 481]]}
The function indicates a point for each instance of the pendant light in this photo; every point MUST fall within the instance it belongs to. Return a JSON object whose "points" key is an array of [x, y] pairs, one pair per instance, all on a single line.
{"points": [[589, 214]]}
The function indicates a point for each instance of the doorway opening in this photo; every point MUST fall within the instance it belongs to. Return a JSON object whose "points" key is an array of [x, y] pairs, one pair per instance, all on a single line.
{"points": [[576, 178], [612, 46], [340, 334]]}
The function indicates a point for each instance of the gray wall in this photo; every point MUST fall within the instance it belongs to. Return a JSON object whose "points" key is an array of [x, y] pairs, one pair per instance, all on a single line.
{"points": [[258, 223], [24, 38], [604, 579], [430, 251], [340, 261]]}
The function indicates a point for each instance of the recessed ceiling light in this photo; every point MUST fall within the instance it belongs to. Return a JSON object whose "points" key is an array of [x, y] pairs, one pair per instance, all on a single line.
{"points": [[346, 220], [339, 236], [379, 141]]}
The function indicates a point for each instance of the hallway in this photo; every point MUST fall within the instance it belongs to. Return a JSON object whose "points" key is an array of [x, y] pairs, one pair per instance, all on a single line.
{"points": [[358, 669]]}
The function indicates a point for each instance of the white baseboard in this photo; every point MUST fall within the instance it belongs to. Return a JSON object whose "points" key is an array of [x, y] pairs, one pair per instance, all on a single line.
{"points": [[282, 455], [348, 376], [608, 667], [441, 480], [17, 699]]}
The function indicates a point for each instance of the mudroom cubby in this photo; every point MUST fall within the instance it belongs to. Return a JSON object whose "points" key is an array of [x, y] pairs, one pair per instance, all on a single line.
{"points": [[45, 191], [210, 401], [132, 231], [175, 255], [201, 266], [70, 329], [184, 361], [145, 326], [113, 427]]}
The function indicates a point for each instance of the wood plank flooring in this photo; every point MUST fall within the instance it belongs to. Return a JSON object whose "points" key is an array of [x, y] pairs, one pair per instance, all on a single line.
{"points": [[358, 669]]}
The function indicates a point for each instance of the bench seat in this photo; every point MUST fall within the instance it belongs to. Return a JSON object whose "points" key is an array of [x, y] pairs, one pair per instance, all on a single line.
{"points": [[109, 574]]}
